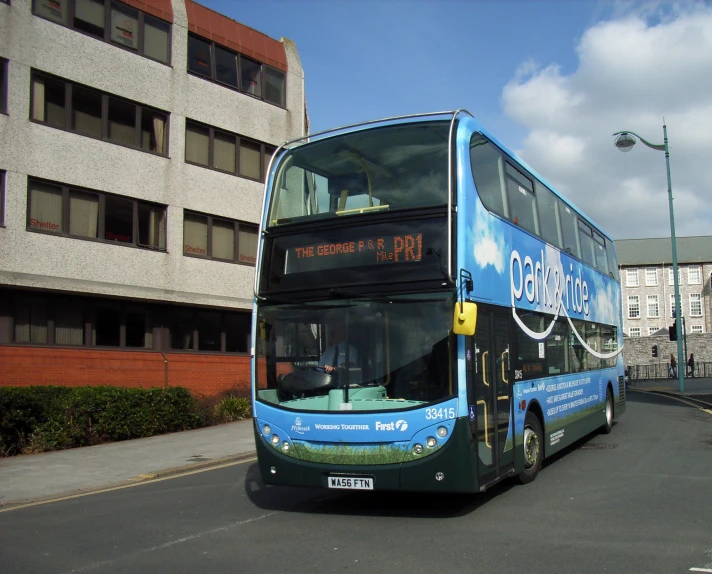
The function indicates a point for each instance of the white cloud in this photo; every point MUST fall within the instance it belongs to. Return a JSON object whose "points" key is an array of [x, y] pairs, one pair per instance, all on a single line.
{"points": [[632, 71]]}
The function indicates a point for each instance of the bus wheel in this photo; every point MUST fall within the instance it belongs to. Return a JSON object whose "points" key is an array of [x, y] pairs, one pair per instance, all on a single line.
{"points": [[606, 428], [533, 448]]}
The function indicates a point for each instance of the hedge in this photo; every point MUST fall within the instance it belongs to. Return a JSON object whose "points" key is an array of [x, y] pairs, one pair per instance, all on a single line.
{"points": [[38, 419]]}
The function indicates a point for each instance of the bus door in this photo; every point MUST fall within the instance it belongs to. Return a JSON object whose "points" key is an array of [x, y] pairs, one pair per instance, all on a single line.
{"points": [[490, 393]]}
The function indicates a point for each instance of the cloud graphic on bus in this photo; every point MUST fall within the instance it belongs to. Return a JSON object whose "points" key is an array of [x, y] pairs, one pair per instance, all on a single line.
{"points": [[603, 302], [488, 239]]}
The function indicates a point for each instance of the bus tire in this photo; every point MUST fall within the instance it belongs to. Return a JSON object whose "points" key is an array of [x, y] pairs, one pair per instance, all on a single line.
{"points": [[533, 448], [608, 425]]}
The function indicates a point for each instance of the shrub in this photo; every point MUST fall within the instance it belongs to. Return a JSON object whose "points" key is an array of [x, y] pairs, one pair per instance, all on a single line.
{"points": [[232, 408], [37, 419]]}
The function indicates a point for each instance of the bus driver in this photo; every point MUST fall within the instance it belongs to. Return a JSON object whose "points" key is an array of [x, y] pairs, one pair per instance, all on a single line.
{"points": [[336, 355]]}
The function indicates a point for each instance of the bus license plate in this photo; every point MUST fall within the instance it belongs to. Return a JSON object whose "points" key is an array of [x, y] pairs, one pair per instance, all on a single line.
{"points": [[351, 482]]}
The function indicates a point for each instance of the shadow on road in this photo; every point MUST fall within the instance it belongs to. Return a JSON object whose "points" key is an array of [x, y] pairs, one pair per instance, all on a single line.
{"points": [[391, 504]]}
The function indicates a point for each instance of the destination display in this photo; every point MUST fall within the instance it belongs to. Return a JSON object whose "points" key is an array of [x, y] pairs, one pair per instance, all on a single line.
{"points": [[407, 250], [373, 250]]}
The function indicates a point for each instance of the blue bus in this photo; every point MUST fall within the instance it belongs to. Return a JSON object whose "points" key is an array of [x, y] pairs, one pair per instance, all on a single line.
{"points": [[429, 314]]}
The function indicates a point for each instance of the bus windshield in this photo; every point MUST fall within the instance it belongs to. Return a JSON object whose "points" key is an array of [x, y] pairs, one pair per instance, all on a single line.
{"points": [[395, 167], [355, 354]]}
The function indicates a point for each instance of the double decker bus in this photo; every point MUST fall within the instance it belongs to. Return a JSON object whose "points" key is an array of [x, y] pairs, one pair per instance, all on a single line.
{"points": [[476, 311]]}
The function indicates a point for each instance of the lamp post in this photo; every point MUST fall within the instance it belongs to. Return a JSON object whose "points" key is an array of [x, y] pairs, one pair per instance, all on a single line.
{"points": [[625, 142]]}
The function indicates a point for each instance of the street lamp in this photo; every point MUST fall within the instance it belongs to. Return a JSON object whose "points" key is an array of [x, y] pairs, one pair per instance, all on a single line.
{"points": [[625, 142]]}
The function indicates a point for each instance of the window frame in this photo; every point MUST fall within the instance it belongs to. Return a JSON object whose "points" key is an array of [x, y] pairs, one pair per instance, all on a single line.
{"points": [[264, 155], [652, 330], [648, 281], [695, 297], [697, 329], [634, 332], [630, 304], [105, 102], [3, 176], [209, 247], [66, 190], [628, 275], [140, 50], [4, 83], [671, 276], [656, 302], [690, 279], [238, 63]]}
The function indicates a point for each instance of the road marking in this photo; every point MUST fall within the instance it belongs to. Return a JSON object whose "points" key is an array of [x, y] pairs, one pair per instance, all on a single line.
{"points": [[138, 482], [165, 545], [680, 399], [700, 569]]}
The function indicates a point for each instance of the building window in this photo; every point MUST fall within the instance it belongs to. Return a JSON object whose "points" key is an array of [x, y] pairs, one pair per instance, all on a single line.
{"points": [[225, 151], [653, 330], [694, 276], [2, 198], [86, 111], [697, 329], [634, 332], [112, 22], [209, 331], [86, 214], [236, 71], [76, 322], [651, 277], [633, 307], [671, 276], [653, 306], [672, 305], [695, 305], [3, 85], [218, 238], [631, 277]]}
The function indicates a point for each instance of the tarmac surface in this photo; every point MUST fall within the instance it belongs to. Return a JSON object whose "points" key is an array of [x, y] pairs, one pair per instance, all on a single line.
{"points": [[28, 479]]}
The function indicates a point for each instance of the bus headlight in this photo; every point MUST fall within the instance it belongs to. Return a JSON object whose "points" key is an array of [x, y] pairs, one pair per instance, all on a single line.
{"points": [[442, 432], [266, 430], [417, 448], [431, 442], [275, 440]]}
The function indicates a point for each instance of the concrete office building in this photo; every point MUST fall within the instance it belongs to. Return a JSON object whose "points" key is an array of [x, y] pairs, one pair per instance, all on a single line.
{"points": [[134, 139], [648, 296]]}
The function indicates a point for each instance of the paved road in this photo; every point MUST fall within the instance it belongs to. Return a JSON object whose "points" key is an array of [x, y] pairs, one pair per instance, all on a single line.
{"points": [[637, 500]]}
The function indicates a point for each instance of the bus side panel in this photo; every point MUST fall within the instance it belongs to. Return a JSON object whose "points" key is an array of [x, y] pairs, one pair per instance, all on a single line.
{"points": [[572, 406]]}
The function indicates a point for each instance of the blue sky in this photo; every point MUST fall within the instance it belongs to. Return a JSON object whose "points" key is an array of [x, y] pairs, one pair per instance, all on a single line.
{"points": [[367, 60], [552, 79]]}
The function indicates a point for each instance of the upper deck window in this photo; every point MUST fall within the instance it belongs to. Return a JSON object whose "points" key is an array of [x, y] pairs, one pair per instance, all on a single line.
{"points": [[396, 167]]}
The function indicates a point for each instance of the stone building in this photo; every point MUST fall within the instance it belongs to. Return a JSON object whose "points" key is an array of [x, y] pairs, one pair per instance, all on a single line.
{"points": [[135, 139], [647, 288]]}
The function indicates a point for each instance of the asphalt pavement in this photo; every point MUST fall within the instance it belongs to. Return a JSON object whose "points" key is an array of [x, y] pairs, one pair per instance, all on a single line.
{"points": [[636, 500], [34, 478]]}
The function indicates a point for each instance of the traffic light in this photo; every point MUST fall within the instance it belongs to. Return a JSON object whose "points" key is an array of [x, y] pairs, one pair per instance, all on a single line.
{"points": [[672, 331], [655, 351]]}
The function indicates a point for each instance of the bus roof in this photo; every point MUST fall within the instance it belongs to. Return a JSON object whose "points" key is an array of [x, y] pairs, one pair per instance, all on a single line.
{"points": [[451, 116]]}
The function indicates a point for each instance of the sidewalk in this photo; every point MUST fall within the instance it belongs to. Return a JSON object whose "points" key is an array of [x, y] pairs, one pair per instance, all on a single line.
{"points": [[693, 387], [36, 477]]}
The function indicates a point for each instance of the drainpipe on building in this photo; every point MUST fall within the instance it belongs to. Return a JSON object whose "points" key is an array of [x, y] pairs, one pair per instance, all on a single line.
{"points": [[165, 369]]}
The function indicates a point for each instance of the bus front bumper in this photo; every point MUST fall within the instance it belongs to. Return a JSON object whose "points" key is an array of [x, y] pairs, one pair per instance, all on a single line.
{"points": [[453, 468]]}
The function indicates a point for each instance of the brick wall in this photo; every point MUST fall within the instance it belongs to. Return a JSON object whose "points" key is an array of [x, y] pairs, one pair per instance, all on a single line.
{"points": [[203, 374]]}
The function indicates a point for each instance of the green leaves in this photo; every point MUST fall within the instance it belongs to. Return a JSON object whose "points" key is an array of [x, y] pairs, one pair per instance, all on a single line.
{"points": [[38, 419]]}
